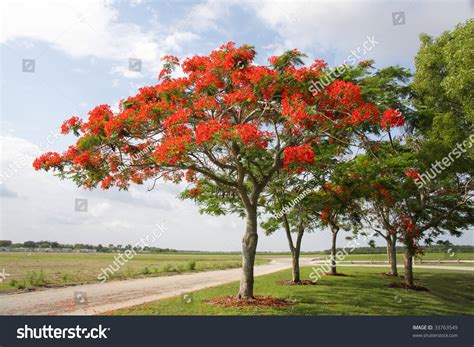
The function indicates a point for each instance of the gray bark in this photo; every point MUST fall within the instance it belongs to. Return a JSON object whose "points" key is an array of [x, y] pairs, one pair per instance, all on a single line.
{"points": [[334, 231], [393, 257], [249, 249], [408, 255], [296, 257]]}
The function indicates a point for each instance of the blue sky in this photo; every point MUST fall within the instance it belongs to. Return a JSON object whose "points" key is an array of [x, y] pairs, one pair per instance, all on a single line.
{"points": [[82, 50]]}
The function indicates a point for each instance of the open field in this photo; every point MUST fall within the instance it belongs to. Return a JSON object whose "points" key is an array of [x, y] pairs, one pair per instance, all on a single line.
{"points": [[363, 292], [34, 270]]}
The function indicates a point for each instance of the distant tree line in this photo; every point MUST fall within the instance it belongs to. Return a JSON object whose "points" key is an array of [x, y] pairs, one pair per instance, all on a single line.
{"points": [[77, 246]]}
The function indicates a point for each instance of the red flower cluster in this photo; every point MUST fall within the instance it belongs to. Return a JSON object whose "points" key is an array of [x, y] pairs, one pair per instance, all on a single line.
{"points": [[207, 131], [411, 234], [366, 112], [178, 118], [98, 117], [106, 183], [299, 155], [73, 123], [171, 151], [240, 96], [82, 159], [190, 176], [325, 213], [413, 174], [251, 135], [238, 57], [168, 66], [294, 107], [195, 192], [47, 161], [392, 119]]}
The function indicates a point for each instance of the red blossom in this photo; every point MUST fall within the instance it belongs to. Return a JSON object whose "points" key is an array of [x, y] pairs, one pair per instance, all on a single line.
{"points": [[250, 134], [392, 119], [190, 176], [299, 155], [413, 174], [47, 161], [73, 123], [194, 192]]}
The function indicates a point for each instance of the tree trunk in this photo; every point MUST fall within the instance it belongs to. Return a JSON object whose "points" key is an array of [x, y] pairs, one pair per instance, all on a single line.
{"points": [[389, 253], [296, 265], [333, 252], [296, 256], [392, 244], [408, 255], [249, 249]]}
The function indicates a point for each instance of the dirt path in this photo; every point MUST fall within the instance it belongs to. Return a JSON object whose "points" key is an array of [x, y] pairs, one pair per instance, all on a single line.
{"points": [[89, 299]]}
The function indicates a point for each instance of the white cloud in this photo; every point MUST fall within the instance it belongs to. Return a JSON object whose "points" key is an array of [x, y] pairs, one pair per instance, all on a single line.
{"points": [[336, 27], [92, 29]]}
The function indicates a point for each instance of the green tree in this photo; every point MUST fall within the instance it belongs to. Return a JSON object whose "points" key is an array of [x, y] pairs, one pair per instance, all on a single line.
{"points": [[443, 89]]}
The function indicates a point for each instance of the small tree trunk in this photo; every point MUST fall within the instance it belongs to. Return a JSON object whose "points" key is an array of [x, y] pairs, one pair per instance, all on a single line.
{"points": [[389, 253], [393, 257], [333, 252], [408, 255], [296, 256], [249, 249], [296, 266]]}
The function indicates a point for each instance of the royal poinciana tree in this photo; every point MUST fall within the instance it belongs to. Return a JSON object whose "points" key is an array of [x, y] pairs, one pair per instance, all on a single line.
{"points": [[406, 211], [288, 207], [226, 120]]}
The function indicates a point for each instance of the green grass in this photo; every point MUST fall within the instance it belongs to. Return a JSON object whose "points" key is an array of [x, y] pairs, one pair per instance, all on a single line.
{"points": [[364, 292], [35, 270], [431, 258], [427, 256]]}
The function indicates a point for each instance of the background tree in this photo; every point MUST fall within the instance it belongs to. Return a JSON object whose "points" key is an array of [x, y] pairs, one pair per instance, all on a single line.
{"points": [[5, 243], [408, 212], [339, 204], [389, 88], [288, 207], [443, 86]]}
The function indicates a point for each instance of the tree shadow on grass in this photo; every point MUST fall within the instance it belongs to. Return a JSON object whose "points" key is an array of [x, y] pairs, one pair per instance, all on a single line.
{"points": [[366, 293]]}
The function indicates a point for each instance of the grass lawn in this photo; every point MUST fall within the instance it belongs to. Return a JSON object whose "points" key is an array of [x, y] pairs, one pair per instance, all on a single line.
{"points": [[363, 292], [428, 258], [38, 269]]}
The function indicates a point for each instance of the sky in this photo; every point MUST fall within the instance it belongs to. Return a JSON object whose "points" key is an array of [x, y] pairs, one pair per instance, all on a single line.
{"points": [[62, 58]]}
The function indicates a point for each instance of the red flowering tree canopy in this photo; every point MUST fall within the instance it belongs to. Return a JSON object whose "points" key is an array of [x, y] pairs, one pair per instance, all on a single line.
{"points": [[226, 119]]}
